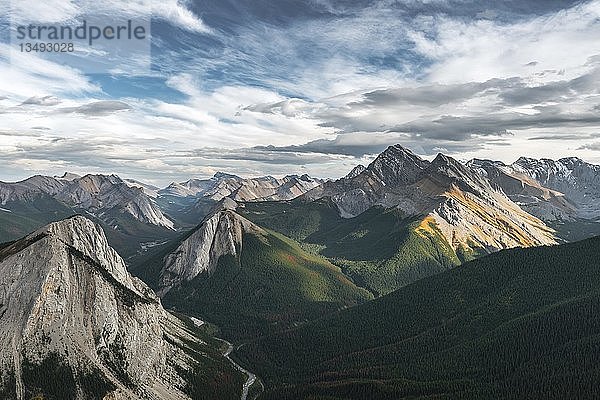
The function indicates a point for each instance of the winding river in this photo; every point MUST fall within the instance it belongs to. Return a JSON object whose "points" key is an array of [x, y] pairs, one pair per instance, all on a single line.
{"points": [[251, 377]]}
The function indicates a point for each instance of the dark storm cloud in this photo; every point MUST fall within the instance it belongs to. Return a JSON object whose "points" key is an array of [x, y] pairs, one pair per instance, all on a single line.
{"points": [[461, 128]]}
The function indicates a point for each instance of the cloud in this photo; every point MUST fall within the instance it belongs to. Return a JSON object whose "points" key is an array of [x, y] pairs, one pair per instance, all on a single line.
{"points": [[26, 75], [98, 108], [56, 11], [461, 128], [317, 87], [590, 146], [42, 101], [176, 13]]}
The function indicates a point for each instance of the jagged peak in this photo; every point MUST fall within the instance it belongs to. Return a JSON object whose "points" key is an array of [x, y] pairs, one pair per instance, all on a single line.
{"points": [[531, 161], [359, 169], [572, 161], [479, 162], [444, 161], [225, 175], [399, 151], [68, 176], [111, 178], [397, 165], [88, 239]]}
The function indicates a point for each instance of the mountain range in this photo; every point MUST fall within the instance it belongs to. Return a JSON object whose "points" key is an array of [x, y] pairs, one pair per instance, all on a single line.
{"points": [[408, 259]]}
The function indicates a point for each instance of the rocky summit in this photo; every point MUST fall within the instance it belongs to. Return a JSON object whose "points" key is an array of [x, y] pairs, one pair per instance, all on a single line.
{"points": [[75, 325], [472, 213]]}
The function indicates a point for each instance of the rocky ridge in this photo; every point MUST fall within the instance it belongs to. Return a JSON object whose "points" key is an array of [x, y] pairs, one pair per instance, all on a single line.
{"points": [[470, 212], [96, 194], [67, 303], [222, 185]]}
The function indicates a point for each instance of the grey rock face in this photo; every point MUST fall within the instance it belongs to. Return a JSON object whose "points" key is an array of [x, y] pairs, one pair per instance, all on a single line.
{"points": [[66, 296], [577, 180], [243, 189], [219, 234], [560, 190], [468, 209], [97, 194], [545, 203]]}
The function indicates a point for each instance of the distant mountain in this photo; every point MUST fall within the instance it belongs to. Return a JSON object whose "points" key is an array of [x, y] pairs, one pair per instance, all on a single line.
{"points": [[75, 325], [529, 193], [518, 324], [564, 193], [190, 201], [243, 189], [149, 190], [97, 194], [462, 205], [132, 218], [577, 180]]}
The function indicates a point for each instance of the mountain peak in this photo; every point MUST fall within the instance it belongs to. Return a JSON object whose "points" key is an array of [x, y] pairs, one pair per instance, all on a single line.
{"points": [[448, 164], [224, 175], [529, 161], [399, 151], [219, 234], [68, 176], [482, 162], [67, 299], [359, 169], [88, 239], [397, 166], [572, 161]]}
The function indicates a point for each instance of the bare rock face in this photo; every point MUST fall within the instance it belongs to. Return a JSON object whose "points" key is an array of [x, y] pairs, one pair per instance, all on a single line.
{"points": [[68, 304], [219, 234], [266, 188], [577, 180], [471, 212], [529, 193]]}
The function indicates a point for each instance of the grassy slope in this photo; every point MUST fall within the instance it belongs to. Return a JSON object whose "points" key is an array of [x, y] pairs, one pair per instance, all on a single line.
{"points": [[273, 285], [517, 324], [379, 249]]}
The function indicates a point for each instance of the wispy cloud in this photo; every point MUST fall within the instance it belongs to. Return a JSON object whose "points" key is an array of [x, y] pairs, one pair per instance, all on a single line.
{"points": [[316, 86]]}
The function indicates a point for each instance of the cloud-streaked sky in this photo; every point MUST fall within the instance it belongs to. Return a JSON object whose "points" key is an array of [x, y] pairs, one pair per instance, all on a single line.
{"points": [[260, 87]]}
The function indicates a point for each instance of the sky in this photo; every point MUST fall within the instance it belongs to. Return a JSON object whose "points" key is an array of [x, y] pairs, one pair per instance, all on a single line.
{"points": [[276, 87]]}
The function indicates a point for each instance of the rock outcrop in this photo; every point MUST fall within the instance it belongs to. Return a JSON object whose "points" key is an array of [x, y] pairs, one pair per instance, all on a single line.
{"points": [[69, 310], [219, 234]]}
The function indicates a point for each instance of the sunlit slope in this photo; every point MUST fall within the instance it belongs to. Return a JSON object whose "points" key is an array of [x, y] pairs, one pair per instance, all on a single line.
{"points": [[271, 284], [380, 249]]}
